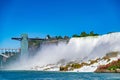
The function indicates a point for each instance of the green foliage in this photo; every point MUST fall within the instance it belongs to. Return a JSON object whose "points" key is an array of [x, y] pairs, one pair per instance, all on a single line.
{"points": [[63, 68], [76, 65], [84, 34], [49, 37], [66, 37], [70, 66], [114, 67], [93, 61], [58, 37], [75, 35], [91, 33]]}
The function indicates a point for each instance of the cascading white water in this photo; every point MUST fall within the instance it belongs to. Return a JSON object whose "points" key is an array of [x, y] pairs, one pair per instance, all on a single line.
{"points": [[77, 49]]}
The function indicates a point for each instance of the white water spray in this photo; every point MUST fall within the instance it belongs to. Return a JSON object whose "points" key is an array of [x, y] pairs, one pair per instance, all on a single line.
{"points": [[77, 49]]}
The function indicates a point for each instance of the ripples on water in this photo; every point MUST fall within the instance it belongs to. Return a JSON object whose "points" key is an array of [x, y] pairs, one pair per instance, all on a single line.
{"points": [[42, 75]]}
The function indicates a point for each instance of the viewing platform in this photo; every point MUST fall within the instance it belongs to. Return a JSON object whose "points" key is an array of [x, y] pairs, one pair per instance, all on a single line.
{"points": [[7, 52]]}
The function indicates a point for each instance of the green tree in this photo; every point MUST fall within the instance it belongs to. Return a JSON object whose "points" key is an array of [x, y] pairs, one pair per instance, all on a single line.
{"points": [[75, 35], [56, 37], [96, 34], [59, 37], [49, 37], [66, 37], [91, 33], [83, 34]]}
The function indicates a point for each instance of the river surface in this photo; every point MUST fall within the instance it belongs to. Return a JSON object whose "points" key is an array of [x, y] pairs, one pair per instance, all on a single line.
{"points": [[46, 75]]}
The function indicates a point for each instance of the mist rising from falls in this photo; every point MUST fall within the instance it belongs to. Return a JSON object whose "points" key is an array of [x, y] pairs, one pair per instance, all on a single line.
{"points": [[83, 48]]}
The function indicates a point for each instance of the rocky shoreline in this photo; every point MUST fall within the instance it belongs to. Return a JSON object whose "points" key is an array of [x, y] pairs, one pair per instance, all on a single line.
{"points": [[113, 67]]}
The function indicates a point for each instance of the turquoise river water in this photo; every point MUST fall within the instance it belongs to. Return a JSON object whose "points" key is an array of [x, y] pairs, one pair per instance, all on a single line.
{"points": [[46, 75]]}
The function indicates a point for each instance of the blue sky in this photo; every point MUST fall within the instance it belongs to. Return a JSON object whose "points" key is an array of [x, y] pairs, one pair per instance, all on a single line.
{"points": [[56, 17]]}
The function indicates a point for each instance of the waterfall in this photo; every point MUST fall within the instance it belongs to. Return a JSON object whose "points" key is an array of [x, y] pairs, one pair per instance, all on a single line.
{"points": [[77, 49]]}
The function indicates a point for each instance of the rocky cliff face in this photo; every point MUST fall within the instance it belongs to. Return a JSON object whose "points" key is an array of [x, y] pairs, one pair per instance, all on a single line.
{"points": [[36, 45]]}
